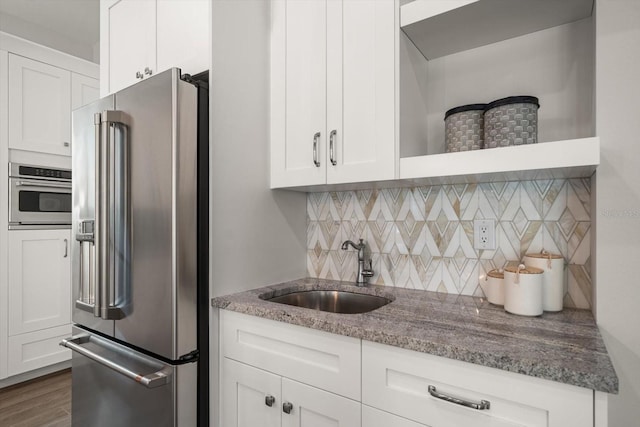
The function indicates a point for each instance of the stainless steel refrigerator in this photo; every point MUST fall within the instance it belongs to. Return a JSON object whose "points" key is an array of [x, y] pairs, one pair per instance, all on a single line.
{"points": [[140, 256]]}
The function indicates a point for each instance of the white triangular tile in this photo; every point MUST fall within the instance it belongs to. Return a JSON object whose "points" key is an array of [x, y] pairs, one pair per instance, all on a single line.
{"points": [[468, 212], [466, 244], [450, 278], [583, 251], [434, 212], [454, 243], [575, 205], [469, 278], [512, 207], [436, 277], [508, 244], [528, 207], [555, 210]]}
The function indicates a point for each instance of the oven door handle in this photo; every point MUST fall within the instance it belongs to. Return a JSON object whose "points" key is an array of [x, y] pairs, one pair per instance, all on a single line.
{"points": [[155, 379], [62, 185]]}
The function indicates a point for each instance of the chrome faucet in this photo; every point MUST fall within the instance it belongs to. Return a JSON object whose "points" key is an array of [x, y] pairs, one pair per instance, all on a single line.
{"points": [[363, 274]]}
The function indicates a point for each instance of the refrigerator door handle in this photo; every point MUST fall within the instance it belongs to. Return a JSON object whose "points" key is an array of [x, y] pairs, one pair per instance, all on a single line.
{"points": [[112, 214], [155, 379]]}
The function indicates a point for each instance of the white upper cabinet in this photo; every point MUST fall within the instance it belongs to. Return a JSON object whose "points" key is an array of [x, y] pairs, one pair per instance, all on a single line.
{"points": [[361, 91], [182, 35], [332, 92], [139, 38], [84, 90], [39, 106], [127, 42]]}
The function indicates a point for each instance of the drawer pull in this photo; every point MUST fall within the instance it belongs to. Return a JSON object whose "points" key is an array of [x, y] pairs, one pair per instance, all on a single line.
{"points": [[269, 400], [484, 404], [287, 407]]}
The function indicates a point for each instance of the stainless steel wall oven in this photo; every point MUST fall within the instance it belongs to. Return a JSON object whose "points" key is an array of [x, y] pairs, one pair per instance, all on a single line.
{"points": [[39, 196]]}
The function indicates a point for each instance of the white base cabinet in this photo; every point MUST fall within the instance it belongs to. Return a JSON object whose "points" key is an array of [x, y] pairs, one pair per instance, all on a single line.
{"points": [[372, 417], [39, 298], [254, 397], [33, 350], [267, 362]]}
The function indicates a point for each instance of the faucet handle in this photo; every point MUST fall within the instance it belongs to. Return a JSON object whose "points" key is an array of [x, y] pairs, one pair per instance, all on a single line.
{"points": [[368, 272]]}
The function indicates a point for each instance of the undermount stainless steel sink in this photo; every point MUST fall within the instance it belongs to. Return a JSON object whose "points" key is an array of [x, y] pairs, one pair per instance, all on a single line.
{"points": [[333, 301]]}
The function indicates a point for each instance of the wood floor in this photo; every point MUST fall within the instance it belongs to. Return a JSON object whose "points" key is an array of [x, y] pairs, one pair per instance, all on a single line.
{"points": [[45, 401]]}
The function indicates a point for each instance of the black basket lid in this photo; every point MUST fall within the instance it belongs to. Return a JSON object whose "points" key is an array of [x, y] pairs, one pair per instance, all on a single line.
{"points": [[523, 99], [463, 108]]}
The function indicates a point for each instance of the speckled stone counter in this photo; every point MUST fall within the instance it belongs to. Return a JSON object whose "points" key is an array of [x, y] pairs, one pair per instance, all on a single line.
{"points": [[564, 347]]}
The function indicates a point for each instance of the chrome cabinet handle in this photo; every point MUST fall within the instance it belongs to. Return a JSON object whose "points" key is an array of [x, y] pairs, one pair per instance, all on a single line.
{"points": [[66, 248], [287, 407], [153, 380], [484, 404], [332, 157], [148, 71], [316, 138], [139, 75], [269, 400]]}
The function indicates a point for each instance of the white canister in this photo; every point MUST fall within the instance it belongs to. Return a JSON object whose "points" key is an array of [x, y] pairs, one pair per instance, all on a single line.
{"points": [[523, 290], [552, 280], [493, 286]]}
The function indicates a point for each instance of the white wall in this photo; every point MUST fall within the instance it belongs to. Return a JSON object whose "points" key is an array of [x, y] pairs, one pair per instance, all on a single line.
{"points": [[617, 199], [27, 30], [258, 236]]}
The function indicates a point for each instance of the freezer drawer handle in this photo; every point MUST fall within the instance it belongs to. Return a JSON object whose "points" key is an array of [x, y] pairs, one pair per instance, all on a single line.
{"points": [[484, 404], [152, 380]]}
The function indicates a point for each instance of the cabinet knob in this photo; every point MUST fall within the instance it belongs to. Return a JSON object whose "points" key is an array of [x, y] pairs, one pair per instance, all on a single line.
{"points": [[269, 401], [139, 75], [65, 143], [148, 71], [287, 407]]}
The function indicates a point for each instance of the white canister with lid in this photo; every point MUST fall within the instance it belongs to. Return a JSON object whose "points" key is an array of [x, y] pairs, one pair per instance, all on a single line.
{"points": [[493, 286], [552, 280], [523, 290]]}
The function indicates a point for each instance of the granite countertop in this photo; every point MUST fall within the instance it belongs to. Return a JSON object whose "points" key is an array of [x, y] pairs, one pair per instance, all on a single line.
{"points": [[565, 347]]}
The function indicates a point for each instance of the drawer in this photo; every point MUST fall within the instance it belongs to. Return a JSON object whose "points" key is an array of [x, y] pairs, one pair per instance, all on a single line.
{"points": [[320, 359], [372, 417], [38, 349], [398, 381]]}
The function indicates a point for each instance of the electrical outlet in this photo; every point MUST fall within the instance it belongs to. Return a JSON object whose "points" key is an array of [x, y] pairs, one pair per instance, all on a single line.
{"points": [[484, 234]]}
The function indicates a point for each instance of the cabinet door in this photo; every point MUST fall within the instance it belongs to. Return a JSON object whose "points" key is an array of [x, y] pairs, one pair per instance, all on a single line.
{"points": [[361, 90], [39, 273], [39, 106], [34, 350], [245, 394], [298, 93], [312, 407], [372, 417], [83, 90], [183, 35], [128, 41]]}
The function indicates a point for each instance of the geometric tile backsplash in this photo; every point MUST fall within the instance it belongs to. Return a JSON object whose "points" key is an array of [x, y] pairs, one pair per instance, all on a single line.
{"points": [[422, 237]]}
